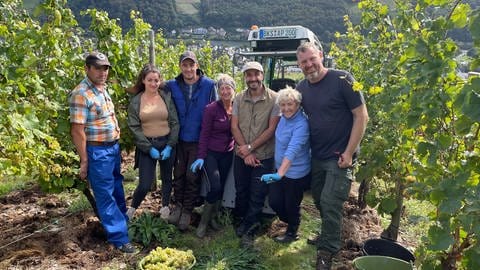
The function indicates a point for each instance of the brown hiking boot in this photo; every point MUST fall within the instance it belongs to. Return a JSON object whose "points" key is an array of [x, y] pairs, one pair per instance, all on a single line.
{"points": [[324, 260]]}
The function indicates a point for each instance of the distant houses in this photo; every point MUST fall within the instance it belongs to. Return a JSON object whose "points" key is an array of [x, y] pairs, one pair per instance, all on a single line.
{"points": [[210, 33]]}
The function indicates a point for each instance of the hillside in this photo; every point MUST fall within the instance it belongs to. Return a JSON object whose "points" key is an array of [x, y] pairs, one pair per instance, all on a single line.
{"points": [[324, 17]]}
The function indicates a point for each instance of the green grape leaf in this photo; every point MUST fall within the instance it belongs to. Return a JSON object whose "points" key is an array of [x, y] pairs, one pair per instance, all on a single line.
{"points": [[474, 23], [471, 102], [450, 205], [388, 205], [472, 257], [440, 238], [460, 15], [463, 125], [444, 141]]}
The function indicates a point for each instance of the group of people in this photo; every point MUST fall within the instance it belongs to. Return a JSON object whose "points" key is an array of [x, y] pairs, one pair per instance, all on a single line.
{"points": [[278, 142]]}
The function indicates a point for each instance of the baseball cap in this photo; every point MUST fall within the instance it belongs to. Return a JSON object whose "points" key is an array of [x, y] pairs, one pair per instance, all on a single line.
{"points": [[97, 59], [188, 55], [252, 65]]}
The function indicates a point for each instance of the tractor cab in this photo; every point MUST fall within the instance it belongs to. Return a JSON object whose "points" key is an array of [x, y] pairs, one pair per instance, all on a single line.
{"points": [[275, 48]]}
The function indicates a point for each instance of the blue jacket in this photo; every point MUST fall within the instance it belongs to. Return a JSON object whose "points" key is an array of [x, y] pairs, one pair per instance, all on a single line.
{"points": [[190, 115], [292, 141]]}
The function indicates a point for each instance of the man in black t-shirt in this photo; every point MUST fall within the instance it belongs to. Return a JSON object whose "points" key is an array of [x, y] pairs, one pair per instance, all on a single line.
{"points": [[337, 118]]}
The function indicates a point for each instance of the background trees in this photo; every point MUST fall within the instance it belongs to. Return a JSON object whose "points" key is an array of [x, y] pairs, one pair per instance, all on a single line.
{"points": [[323, 17]]}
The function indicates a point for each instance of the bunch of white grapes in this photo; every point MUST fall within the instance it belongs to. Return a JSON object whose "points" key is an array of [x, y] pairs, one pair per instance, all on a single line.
{"points": [[168, 259]]}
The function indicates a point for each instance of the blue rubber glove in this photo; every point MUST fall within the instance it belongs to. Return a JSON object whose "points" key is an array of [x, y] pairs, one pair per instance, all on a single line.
{"points": [[270, 178], [154, 153], [166, 153], [197, 164]]}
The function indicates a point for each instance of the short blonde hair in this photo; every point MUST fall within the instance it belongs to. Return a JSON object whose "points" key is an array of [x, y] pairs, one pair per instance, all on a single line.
{"points": [[289, 93]]}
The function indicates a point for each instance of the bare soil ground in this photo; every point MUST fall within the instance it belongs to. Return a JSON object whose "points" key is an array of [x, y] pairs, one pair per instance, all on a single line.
{"points": [[38, 232]]}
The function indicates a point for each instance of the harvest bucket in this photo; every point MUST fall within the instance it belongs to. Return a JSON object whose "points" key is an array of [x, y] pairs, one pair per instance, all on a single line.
{"points": [[380, 262], [383, 247]]}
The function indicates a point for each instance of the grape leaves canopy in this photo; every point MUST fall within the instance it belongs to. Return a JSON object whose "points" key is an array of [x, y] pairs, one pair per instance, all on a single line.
{"points": [[42, 60], [424, 128]]}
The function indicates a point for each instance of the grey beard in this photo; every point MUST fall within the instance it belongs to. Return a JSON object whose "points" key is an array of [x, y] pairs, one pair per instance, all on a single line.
{"points": [[312, 76]]}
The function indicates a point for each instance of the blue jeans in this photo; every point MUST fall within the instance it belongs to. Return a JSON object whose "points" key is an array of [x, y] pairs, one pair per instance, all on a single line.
{"points": [[330, 188], [106, 182]]}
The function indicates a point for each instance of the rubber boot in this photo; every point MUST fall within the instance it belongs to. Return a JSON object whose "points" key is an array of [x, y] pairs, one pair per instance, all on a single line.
{"points": [[174, 216], [213, 221], [206, 217], [185, 219]]}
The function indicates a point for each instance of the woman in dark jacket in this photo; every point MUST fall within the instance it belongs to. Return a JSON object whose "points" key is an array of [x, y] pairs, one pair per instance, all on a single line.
{"points": [[215, 149], [153, 120]]}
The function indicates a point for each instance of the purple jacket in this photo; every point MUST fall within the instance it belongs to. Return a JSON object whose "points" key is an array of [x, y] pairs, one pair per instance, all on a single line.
{"points": [[215, 134]]}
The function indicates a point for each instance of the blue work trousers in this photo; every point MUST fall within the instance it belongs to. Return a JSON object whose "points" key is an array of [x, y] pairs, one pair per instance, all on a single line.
{"points": [[106, 182]]}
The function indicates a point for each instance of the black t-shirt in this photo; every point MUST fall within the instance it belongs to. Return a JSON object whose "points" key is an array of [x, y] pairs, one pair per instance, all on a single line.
{"points": [[328, 105]]}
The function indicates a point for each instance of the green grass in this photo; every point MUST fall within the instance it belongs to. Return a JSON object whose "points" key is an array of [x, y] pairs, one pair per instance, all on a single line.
{"points": [[415, 222], [221, 250], [79, 204], [130, 175], [11, 183]]}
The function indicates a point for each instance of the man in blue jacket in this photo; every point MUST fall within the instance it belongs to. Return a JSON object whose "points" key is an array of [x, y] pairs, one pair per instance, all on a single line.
{"points": [[191, 92]]}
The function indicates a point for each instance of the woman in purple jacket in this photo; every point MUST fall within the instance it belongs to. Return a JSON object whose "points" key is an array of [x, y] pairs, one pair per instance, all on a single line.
{"points": [[215, 149]]}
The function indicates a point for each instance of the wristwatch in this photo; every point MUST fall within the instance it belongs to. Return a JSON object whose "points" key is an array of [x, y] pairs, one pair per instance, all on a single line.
{"points": [[249, 147]]}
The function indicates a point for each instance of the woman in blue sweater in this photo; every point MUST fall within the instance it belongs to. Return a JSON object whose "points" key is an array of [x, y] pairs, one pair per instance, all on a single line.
{"points": [[292, 160]]}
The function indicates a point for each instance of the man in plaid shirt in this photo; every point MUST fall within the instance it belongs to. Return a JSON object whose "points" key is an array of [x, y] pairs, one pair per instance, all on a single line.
{"points": [[95, 133]]}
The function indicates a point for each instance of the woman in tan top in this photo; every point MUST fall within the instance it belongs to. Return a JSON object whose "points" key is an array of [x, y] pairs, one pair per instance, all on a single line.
{"points": [[153, 120]]}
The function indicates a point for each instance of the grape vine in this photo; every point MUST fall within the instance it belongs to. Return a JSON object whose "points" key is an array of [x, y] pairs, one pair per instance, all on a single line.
{"points": [[423, 138]]}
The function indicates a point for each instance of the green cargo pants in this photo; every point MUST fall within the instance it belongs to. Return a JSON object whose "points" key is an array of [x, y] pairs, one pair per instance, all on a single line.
{"points": [[330, 187]]}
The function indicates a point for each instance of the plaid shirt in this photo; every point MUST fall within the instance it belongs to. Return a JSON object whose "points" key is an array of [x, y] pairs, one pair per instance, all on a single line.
{"points": [[94, 109]]}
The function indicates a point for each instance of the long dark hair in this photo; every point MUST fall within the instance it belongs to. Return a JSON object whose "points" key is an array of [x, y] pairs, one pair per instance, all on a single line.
{"points": [[147, 69]]}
